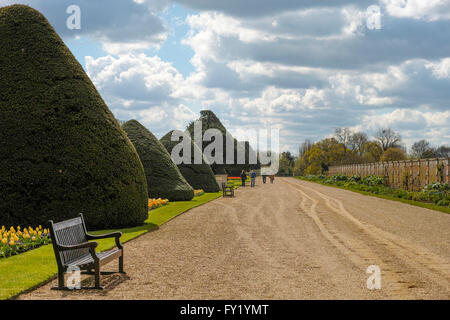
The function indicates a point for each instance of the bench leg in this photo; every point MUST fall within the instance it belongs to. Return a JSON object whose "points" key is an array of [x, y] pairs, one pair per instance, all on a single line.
{"points": [[121, 264], [97, 276], [60, 279]]}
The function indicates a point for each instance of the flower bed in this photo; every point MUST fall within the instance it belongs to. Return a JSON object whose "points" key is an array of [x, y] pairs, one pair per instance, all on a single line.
{"points": [[156, 203], [198, 192], [435, 193], [14, 242]]}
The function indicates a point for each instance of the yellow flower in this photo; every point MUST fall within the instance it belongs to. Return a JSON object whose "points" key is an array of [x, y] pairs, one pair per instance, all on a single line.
{"points": [[11, 242], [18, 228], [39, 233], [34, 238], [5, 240]]}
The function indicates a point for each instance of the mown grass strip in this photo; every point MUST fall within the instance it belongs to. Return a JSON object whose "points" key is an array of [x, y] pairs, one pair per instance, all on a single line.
{"points": [[33, 268], [382, 196]]}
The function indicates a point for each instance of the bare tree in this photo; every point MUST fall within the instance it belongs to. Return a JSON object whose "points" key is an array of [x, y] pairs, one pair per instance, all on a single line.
{"points": [[357, 141], [343, 136], [304, 147], [442, 152], [422, 149], [388, 138]]}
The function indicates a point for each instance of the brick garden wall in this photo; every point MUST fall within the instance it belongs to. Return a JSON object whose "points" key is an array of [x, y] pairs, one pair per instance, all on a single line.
{"points": [[408, 174]]}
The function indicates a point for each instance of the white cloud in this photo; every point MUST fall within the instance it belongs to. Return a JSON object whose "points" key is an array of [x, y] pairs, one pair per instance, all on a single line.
{"points": [[440, 69], [418, 9]]}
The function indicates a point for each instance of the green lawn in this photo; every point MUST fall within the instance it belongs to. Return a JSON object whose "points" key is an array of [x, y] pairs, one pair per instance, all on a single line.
{"points": [[33, 268], [237, 183], [426, 205]]}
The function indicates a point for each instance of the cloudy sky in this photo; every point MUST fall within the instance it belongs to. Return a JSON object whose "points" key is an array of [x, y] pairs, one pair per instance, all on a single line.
{"points": [[304, 67]]}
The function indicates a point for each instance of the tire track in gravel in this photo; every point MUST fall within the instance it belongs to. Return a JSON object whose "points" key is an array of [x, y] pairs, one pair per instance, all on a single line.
{"points": [[404, 265], [304, 253]]}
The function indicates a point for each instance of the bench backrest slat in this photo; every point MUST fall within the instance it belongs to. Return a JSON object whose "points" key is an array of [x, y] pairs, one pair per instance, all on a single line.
{"points": [[67, 233]]}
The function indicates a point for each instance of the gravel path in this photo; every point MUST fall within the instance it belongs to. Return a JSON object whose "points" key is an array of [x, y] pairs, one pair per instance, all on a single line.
{"points": [[289, 240]]}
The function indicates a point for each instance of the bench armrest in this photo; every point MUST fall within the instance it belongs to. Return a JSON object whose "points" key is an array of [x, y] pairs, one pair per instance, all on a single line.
{"points": [[116, 235], [90, 245], [104, 236]]}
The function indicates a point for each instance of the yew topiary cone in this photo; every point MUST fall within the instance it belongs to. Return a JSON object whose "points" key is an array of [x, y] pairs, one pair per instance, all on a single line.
{"points": [[62, 150], [163, 176], [199, 176]]}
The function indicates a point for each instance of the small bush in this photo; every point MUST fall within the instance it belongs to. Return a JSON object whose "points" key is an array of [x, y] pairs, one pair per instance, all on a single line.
{"points": [[339, 177], [373, 180], [437, 186], [355, 178]]}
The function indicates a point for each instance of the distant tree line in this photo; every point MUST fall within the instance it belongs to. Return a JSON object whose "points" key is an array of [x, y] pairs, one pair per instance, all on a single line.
{"points": [[350, 147]]}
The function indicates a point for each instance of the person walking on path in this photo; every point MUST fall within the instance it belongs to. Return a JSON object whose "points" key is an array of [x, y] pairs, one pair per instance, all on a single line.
{"points": [[253, 176], [243, 177], [272, 177], [264, 177]]}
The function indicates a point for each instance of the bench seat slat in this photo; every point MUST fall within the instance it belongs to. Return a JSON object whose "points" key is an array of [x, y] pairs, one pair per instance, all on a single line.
{"points": [[87, 259]]}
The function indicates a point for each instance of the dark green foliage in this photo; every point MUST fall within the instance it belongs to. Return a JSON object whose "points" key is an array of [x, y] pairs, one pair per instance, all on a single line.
{"points": [[199, 176], [62, 151], [163, 176], [210, 121]]}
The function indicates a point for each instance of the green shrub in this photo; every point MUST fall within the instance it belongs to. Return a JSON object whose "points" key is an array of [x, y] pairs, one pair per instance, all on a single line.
{"points": [[163, 176], [355, 178], [373, 180], [437, 186], [402, 194], [199, 176], [339, 177], [62, 150]]}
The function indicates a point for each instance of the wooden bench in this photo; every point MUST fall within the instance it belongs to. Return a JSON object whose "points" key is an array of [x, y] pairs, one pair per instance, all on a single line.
{"points": [[72, 250], [227, 190]]}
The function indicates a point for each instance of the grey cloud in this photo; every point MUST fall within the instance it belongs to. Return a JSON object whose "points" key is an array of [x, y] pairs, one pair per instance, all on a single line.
{"points": [[112, 21], [403, 39], [249, 8]]}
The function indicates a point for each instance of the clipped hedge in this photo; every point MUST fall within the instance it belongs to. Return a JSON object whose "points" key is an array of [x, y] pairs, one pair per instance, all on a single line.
{"points": [[199, 176], [163, 176], [62, 150]]}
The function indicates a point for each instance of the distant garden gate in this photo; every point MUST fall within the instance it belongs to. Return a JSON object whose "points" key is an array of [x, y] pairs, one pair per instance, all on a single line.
{"points": [[407, 174]]}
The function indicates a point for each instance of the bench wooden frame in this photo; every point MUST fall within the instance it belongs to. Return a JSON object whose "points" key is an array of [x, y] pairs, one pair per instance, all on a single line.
{"points": [[227, 190], [72, 249]]}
